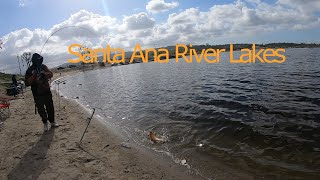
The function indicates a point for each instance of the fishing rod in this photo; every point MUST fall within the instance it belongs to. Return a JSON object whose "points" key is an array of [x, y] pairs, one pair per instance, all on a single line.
{"points": [[27, 56], [58, 82], [29, 59], [87, 126]]}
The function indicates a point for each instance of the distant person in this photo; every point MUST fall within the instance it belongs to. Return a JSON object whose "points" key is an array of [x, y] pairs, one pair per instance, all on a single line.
{"points": [[14, 80], [15, 85], [37, 76]]}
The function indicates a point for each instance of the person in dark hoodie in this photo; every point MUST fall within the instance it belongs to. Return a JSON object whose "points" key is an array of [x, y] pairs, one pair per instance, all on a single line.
{"points": [[14, 80], [15, 85], [37, 76]]}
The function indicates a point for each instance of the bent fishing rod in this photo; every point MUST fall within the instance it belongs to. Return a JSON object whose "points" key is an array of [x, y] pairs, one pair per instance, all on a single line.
{"points": [[48, 41]]}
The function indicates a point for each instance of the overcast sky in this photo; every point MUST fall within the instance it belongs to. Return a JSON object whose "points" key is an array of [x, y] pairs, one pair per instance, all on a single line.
{"points": [[26, 24]]}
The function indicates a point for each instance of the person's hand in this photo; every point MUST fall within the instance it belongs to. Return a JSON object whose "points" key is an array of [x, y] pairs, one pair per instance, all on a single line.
{"points": [[34, 73], [43, 73]]}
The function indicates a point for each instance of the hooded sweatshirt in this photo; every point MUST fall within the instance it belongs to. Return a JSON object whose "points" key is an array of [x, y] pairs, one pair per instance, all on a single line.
{"points": [[39, 80]]}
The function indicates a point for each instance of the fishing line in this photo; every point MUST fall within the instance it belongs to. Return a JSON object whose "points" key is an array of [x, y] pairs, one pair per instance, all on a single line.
{"points": [[55, 33], [60, 30], [28, 60], [58, 81]]}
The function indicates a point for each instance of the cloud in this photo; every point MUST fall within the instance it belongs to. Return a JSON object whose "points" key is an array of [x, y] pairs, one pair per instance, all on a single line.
{"points": [[21, 3], [17, 41], [156, 6], [308, 6], [185, 17], [83, 27], [138, 21], [91, 25], [236, 19], [219, 24]]}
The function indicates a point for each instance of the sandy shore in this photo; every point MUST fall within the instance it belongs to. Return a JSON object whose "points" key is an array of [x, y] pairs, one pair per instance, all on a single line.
{"points": [[26, 152]]}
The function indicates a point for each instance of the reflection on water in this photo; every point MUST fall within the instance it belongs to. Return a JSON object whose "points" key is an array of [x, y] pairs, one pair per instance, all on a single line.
{"points": [[261, 118]]}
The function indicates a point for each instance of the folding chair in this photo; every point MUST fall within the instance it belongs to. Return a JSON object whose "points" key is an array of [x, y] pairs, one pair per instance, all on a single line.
{"points": [[4, 108]]}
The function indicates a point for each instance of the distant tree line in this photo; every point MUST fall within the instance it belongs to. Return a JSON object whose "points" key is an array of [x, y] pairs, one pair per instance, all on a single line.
{"points": [[242, 46]]}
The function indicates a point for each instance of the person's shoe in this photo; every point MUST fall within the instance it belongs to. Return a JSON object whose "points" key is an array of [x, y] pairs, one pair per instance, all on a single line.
{"points": [[54, 124], [46, 127]]}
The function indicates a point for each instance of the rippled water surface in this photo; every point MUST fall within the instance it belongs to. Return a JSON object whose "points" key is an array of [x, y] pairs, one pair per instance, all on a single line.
{"points": [[258, 118]]}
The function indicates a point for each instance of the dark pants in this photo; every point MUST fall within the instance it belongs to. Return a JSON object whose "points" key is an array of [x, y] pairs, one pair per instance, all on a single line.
{"points": [[45, 107]]}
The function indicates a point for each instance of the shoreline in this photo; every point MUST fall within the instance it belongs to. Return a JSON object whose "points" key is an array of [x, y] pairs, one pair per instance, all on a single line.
{"points": [[219, 171], [28, 153], [123, 140]]}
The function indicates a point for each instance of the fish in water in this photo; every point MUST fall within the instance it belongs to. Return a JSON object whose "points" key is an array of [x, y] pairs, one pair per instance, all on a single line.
{"points": [[154, 138]]}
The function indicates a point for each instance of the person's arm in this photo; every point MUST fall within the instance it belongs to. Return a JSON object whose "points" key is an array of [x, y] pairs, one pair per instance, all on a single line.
{"points": [[47, 72]]}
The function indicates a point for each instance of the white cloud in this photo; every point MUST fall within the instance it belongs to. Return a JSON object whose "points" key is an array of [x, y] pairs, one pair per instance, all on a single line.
{"points": [[186, 17], [138, 21], [92, 30], [307, 6], [91, 24], [236, 19], [21, 3], [156, 6]]}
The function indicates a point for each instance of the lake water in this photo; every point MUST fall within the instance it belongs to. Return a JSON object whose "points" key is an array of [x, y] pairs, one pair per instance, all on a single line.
{"points": [[262, 119]]}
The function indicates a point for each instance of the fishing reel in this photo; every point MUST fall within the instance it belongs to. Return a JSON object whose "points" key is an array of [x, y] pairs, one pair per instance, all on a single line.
{"points": [[41, 76]]}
